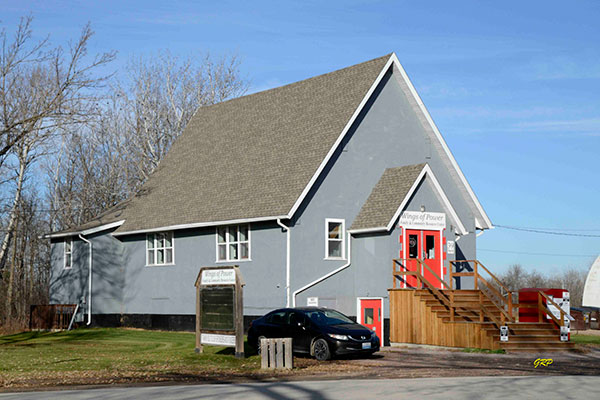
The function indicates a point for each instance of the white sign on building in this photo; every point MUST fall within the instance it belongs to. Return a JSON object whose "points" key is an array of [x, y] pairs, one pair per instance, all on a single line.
{"points": [[218, 277], [422, 220], [312, 301]]}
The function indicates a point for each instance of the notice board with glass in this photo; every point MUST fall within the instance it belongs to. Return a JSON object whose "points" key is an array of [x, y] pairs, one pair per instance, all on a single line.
{"points": [[220, 308]]}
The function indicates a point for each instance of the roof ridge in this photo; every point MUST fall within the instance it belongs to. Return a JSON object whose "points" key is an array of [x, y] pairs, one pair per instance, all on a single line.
{"points": [[287, 85]]}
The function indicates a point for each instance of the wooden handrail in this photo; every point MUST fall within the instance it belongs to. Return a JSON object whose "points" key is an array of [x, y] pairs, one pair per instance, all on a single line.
{"points": [[551, 301], [493, 277], [433, 273], [477, 277], [506, 315], [423, 281]]}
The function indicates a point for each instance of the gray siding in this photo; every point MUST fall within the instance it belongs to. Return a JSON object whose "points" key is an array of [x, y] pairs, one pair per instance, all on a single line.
{"points": [[387, 134]]}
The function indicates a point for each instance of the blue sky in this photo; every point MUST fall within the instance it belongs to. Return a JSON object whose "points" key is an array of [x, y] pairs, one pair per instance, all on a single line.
{"points": [[514, 87]]}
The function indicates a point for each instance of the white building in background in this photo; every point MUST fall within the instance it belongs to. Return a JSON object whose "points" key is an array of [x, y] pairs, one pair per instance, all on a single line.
{"points": [[591, 291]]}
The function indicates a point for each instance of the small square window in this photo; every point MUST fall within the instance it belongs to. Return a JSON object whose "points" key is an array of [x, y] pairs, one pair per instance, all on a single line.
{"points": [[233, 243], [160, 249]]}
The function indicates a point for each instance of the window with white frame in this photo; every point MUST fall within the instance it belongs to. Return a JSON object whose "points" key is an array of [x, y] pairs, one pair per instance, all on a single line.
{"points": [[159, 248], [68, 253], [334, 238], [233, 242]]}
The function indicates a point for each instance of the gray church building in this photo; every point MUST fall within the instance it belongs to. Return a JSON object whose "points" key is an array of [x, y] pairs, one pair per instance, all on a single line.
{"points": [[312, 189]]}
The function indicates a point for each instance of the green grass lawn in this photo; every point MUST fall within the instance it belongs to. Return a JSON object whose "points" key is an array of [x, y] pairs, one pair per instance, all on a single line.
{"points": [[585, 339], [109, 353]]}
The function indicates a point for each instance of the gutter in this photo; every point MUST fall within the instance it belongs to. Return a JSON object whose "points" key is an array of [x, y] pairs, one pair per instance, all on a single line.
{"points": [[321, 279], [89, 281], [287, 261]]}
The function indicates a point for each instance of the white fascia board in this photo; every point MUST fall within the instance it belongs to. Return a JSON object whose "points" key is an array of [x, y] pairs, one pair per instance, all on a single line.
{"points": [[368, 230], [428, 172], [462, 177], [103, 227], [84, 232], [200, 225], [340, 137]]}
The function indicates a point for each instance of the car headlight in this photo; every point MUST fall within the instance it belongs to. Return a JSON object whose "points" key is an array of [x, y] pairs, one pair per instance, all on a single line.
{"points": [[338, 337]]}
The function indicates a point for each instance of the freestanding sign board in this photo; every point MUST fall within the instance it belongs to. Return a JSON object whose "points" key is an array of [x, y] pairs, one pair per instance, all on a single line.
{"points": [[220, 308]]}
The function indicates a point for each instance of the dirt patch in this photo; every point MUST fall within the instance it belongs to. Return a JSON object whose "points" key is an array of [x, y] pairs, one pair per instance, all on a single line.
{"points": [[389, 363]]}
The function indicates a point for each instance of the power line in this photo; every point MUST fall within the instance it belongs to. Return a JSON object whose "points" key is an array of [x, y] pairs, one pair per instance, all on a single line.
{"points": [[537, 254], [533, 230]]}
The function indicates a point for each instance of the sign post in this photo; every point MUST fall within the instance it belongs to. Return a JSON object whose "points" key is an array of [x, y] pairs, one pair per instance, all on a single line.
{"points": [[220, 308]]}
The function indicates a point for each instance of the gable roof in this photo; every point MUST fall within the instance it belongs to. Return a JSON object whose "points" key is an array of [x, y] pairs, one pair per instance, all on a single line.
{"points": [[390, 196], [253, 157]]}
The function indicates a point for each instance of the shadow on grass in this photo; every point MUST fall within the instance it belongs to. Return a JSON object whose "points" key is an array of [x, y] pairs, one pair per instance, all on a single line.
{"points": [[46, 338]]}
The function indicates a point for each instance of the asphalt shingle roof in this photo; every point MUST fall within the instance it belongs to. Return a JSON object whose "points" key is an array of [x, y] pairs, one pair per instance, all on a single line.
{"points": [[250, 157], [386, 197]]}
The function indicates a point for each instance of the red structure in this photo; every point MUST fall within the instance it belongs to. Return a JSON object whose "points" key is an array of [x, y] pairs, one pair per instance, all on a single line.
{"points": [[530, 296]]}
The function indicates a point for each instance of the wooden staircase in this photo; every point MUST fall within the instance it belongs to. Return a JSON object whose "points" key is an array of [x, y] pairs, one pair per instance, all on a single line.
{"points": [[468, 318], [523, 336]]}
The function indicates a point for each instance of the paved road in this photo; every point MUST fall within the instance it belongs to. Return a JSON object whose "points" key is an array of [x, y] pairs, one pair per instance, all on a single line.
{"points": [[530, 387]]}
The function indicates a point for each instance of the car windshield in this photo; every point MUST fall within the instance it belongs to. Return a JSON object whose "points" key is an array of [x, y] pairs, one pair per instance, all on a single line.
{"points": [[328, 317]]}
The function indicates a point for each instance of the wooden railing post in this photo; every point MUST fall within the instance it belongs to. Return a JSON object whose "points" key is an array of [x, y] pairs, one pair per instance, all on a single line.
{"points": [[394, 272], [540, 305], [510, 306], [481, 308], [452, 306], [475, 274]]}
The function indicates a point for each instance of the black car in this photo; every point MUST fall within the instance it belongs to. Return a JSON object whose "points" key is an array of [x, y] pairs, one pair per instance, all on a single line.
{"points": [[320, 332]]}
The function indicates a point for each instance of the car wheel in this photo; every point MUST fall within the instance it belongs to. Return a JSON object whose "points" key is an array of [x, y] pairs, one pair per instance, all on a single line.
{"points": [[321, 350], [258, 343]]}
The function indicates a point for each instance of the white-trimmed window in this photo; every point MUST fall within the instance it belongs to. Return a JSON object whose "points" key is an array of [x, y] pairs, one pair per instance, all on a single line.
{"points": [[68, 253], [334, 238], [233, 243], [159, 248]]}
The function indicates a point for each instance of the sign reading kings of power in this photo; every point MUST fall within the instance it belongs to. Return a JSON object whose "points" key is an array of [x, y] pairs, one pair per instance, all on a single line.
{"points": [[220, 308], [422, 220]]}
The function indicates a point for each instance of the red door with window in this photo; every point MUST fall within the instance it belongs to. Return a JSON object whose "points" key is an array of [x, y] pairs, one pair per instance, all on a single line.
{"points": [[425, 245], [370, 315]]}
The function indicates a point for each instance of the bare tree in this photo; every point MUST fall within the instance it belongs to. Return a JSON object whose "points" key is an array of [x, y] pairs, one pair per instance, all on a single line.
{"points": [[108, 159], [42, 89]]}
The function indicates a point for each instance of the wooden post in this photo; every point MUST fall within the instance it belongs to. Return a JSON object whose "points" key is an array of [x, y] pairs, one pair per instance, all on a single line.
{"points": [[198, 348], [540, 305], [264, 353], [481, 307], [289, 359], [239, 319], [451, 306], [510, 306], [475, 274], [394, 273]]}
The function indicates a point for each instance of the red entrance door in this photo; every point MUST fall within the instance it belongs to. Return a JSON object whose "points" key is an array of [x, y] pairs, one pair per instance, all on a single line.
{"points": [[370, 315], [425, 245]]}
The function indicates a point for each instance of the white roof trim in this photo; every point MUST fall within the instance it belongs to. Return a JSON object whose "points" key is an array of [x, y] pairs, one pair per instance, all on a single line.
{"points": [[426, 171], [462, 177], [340, 137], [85, 232], [200, 225], [368, 230], [393, 60]]}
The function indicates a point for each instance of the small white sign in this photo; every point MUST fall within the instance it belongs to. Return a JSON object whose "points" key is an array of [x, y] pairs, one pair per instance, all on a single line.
{"points": [[217, 340], [218, 277], [312, 302], [450, 248], [422, 220]]}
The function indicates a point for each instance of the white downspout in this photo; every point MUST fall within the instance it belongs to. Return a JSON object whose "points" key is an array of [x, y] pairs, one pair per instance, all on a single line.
{"points": [[89, 281], [321, 279], [288, 269]]}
